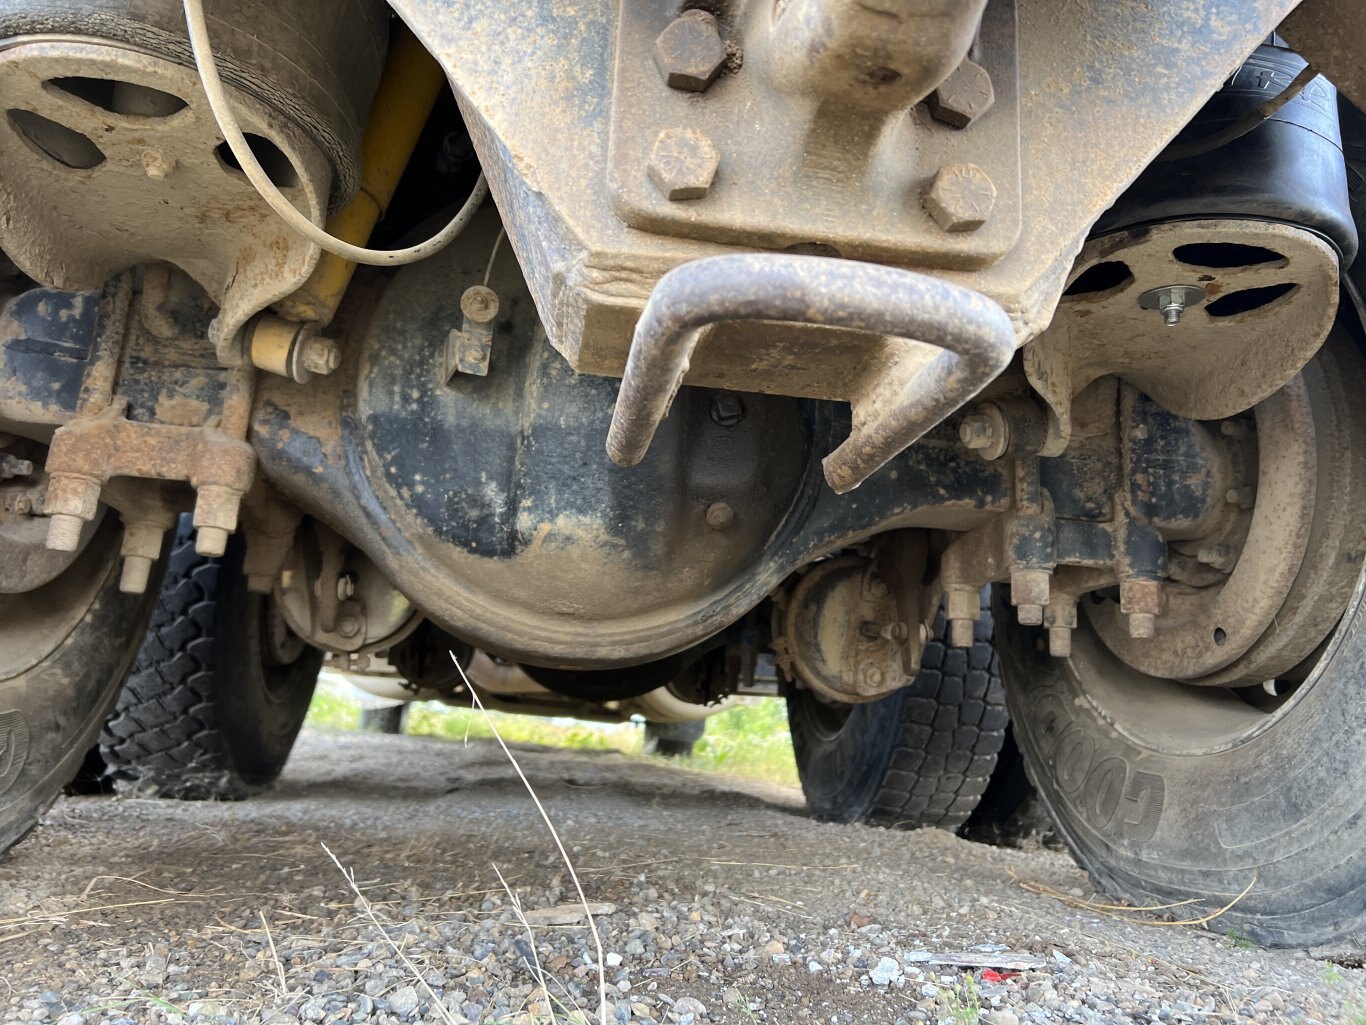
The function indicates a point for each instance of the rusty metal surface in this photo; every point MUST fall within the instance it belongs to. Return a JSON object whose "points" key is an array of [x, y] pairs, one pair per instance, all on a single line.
{"points": [[901, 399], [1329, 33], [1204, 366], [1130, 75], [145, 187], [817, 133]]}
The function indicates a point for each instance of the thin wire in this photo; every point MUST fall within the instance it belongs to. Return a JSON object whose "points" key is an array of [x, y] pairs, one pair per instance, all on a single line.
{"points": [[237, 143], [493, 253]]}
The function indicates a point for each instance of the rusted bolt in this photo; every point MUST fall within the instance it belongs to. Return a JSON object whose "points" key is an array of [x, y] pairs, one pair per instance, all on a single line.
{"points": [[727, 409], [960, 197], [1244, 498], [72, 501], [320, 355], [479, 303], [348, 626], [720, 516], [963, 97], [346, 587], [141, 548], [1142, 626], [690, 53], [683, 163]]}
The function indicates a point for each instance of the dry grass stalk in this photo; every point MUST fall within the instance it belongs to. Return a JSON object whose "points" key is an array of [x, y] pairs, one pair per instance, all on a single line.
{"points": [[559, 844], [1130, 912], [369, 913]]}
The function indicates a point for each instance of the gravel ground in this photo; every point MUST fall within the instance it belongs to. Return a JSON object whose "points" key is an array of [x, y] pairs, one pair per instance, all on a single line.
{"points": [[721, 904]]}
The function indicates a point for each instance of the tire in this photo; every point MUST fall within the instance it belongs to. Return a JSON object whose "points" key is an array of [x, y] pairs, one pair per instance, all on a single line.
{"points": [[673, 739], [921, 756], [389, 719], [208, 712], [1166, 791], [65, 649]]}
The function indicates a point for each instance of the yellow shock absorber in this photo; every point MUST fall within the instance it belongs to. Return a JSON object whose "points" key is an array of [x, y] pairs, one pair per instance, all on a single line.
{"points": [[407, 92]]}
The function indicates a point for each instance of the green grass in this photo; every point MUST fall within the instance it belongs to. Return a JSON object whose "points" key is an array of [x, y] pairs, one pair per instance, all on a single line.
{"points": [[750, 740]]}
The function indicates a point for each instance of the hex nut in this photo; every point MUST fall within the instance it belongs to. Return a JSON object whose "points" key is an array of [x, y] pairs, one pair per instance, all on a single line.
{"points": [[963, 97], [690, 53], [683, 163], [960, 197]]}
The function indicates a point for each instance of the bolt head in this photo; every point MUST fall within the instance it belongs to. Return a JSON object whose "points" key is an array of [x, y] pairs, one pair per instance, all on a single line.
{"points": [[320, 356], [960, 197], [690, 53], [683, 163], [727, 409], [348, 626], [963, 97], [1140, 597], [479, 303], [720, 516], [976, 431], [870, 676]]}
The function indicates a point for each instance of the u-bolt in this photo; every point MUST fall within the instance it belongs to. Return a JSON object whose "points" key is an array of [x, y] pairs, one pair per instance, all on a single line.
{"points": [[975, 335]]}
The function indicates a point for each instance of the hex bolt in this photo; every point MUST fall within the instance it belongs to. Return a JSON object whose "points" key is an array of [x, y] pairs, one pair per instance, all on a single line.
{"points": [[215, 518], [975, 432], [479, 303], [963, 97], [141, 548], [720, 516], [689, 52], [1061, 619], [137, 571], [64, 532], [870, 677], [211, 541], [348, 626], [727, 409], [1171, 301], [1142, 626], [683, 163], [72, 501], [1141, 601], [960, 633], [320, 355], [962, 608], [960, 197]]}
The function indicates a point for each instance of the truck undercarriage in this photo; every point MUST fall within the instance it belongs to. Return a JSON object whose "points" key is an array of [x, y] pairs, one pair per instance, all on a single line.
{"points": [[805, 347]]}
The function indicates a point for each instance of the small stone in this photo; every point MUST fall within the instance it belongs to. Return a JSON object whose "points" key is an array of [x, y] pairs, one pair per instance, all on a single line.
{"points": [[1002, 1018], [403, 1000], [613, 960], [885, 971], [689, 1005]]}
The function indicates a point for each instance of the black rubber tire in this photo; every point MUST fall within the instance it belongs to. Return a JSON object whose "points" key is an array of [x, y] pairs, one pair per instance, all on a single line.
{"points": [[921, 756], [57, 686], [391, 719], [205, 715], [673, 739], [1165, 792]]}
